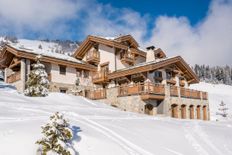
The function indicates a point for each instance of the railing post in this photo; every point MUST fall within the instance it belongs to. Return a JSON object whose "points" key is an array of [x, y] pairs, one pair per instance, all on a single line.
{"points": [[178, 92]]}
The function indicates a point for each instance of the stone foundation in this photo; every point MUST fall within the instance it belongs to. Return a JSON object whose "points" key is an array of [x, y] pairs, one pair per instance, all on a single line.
{"points": [[134, 103]]}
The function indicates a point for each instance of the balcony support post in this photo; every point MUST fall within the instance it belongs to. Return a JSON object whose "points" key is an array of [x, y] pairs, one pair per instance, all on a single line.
{"points": [[28, 68], [23, 73]]}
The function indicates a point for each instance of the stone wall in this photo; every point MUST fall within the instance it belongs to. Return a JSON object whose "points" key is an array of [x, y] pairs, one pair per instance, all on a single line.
{"points": [[134, 103], [56, 87]]}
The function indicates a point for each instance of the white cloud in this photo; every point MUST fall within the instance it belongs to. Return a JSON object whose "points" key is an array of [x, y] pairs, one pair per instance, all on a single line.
{"points": [[209, 42], [41, 16], [109, 21]]}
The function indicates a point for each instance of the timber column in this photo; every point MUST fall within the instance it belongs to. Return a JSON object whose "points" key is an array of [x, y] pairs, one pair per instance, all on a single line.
{"points": [[23, 73], [5, 75]]}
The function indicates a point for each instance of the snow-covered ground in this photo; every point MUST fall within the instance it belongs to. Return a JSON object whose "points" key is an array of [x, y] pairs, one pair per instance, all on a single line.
{"points": [[103, 130], [217, 93]]}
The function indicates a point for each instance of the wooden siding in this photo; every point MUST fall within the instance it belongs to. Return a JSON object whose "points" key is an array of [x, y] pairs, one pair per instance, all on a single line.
{"points": [[146, 91], [97, 94]]}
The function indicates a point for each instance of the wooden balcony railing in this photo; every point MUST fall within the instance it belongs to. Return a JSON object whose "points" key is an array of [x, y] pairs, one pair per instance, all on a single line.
{"points": [[204, 95], [93, 56], [189, 93], [128, 58], [174, 91], [97, 94], [14, 77], [100, 77], [147, 90]]}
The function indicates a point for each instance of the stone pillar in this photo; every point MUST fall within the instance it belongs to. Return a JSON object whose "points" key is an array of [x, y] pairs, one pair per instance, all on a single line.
{"points": [[177, 79], [167, 102], [23, 73], [164, 76], [185, 84], [28, 68]]}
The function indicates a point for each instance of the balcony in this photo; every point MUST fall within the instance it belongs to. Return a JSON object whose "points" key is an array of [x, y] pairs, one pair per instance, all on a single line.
{"points": [[97, 94], [93, 57], [100, 77], [204, 95], [14, 77], [189, 93], [174, 91], [146, 91], [128, 58]]}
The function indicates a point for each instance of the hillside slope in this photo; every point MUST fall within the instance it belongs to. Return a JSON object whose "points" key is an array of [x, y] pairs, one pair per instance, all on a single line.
{"points": [[217, 93], [103, 130]]}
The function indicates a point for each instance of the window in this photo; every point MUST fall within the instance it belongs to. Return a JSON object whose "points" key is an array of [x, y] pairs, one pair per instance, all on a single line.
{"points": [[169, 75], [62, 70], [78, 73], [63, 90], [86, 74], [158, 74]]}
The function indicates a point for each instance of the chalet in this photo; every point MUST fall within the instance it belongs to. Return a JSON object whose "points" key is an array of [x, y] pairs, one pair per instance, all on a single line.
{"points": [[118, 72]]}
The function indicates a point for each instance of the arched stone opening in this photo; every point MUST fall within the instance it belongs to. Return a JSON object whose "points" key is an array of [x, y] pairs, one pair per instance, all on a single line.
{"points": [[198, 112], [205, 112], [149, 109], [191, 112], [183, 111], [174, 110]]}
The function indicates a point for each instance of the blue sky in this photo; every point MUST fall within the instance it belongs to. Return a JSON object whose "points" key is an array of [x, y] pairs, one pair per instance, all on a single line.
{"points": [[194, 10], [198, 30]]}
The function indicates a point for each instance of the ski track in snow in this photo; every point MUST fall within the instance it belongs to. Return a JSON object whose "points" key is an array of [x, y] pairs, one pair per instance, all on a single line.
{"points": [[127, 145], [196, 131], [172, 151], [90, 114]]}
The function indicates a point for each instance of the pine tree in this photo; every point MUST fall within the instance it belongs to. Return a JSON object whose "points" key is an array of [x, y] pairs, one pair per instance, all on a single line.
{"points": [[37, 84], [222, 109], [57, 136]]}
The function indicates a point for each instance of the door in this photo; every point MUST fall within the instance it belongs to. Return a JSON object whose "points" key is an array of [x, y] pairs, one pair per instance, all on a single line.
{"points": [[183, 111], [198, 112], [191, 111], [149, 109], [174, 109], [204, 113]]}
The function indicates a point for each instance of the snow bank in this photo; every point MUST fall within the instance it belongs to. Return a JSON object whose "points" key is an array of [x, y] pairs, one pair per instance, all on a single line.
{"points": [[103, 130], [217, 93]]}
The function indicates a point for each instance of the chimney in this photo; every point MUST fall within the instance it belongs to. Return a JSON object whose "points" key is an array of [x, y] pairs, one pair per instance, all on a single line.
{"points": [[150, 53]]}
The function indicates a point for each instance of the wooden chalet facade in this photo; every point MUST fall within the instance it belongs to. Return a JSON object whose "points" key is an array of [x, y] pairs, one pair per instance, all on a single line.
{"points": [[118, 73]]}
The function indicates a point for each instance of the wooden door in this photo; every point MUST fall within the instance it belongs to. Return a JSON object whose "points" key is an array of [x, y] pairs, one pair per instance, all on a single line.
{"points": [[183, 111], [198, 112], [191, 110], [204, 113], [149, 109], [174, 108]]}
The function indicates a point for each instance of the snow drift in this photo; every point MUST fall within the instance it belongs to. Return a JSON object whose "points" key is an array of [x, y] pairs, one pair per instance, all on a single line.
{"points": [[104, 130]]}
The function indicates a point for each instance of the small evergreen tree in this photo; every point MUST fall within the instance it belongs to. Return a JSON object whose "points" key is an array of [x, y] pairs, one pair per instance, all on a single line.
{"points": [[57, 136], [222, 109], [37, 84]]}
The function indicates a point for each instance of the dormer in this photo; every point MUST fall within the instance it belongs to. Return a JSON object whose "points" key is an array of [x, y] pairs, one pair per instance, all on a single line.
{"points": [[93, 55]]}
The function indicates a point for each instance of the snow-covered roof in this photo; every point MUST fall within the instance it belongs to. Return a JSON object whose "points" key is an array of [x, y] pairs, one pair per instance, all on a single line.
{"points": [[145, 63], [44, 52]]}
